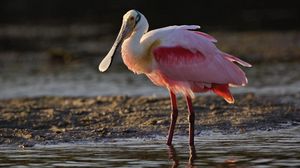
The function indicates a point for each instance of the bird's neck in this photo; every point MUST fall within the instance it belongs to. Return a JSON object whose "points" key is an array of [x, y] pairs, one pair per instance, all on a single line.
{"points": [[134, 54], [133, 44]]}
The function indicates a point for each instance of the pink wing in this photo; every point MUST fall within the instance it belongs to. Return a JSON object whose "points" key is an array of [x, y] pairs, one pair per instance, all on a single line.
{"points": [[186, 56], [209, 37]]}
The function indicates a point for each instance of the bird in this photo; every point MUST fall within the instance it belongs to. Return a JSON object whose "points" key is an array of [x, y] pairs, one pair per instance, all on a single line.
{"points": [[179, 58]]}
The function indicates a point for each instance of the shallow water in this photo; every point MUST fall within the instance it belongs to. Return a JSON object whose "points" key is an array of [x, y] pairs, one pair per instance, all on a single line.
{"points": [[27, 79], [279, 148]]}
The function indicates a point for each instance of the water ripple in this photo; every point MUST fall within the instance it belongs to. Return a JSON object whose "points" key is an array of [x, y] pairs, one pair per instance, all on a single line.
{"points": [[257, 149]]}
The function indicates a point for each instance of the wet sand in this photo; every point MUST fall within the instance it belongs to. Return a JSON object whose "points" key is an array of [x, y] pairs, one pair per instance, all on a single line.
{"points": [[50, 120]]}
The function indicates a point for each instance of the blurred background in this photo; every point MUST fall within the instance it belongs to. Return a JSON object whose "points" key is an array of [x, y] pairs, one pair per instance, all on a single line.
{"points": [[53, 47]]}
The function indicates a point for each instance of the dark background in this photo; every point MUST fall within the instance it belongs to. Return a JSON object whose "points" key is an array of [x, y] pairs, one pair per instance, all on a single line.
{"points": [[54, 47], [211, 14]]}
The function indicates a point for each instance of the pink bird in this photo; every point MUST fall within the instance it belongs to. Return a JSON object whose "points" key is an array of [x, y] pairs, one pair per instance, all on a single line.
{"points": [[178, 58]]}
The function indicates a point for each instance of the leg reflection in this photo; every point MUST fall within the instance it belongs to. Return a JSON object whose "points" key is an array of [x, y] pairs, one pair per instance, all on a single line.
{"points": [[172, 156], [192, 156]]}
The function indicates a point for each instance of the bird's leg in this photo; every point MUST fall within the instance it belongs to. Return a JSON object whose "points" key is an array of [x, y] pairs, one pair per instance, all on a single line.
{"points": [[174, 115], [191, 120]]}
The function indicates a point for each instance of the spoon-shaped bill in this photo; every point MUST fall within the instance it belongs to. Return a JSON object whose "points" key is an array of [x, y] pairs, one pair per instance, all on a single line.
{"points": [[106, 62]]}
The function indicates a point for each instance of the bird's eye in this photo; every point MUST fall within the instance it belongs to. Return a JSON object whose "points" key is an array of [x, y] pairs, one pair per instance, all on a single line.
{"points": [[131, 18]]}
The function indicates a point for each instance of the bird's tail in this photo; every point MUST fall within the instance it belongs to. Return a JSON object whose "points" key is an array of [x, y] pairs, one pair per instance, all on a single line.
{"points": [[235, 59], [223, 91]]}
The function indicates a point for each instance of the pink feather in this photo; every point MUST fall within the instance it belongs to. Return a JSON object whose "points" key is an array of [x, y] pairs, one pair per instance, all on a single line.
{"points": [[188, 61]]}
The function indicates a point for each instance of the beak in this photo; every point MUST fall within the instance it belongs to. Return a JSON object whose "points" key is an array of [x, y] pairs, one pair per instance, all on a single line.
{"points": [[106, 62]]}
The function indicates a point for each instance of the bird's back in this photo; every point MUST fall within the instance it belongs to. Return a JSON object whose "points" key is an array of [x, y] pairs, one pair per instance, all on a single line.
{"points": [[187, 60]]}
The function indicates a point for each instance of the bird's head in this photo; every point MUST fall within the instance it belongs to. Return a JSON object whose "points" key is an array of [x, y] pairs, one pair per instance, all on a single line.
{"points": [[133, 21]]}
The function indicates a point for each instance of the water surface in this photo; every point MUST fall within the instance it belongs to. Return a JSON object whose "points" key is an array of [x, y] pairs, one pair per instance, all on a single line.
{"points": [[256, 149]]}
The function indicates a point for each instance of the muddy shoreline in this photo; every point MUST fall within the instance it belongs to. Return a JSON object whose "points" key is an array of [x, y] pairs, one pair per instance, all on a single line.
{"points": [[50, 120]]}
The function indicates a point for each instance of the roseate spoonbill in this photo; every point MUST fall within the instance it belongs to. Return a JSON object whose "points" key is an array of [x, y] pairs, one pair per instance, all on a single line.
{"points": [[178, 58]]}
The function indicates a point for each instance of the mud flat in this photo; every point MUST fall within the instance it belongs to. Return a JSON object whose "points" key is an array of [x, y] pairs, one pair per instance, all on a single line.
{"points": [[50, 120]]}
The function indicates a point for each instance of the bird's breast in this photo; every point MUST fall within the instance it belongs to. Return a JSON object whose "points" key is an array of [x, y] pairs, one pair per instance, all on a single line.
{"points": [[137, 61]]}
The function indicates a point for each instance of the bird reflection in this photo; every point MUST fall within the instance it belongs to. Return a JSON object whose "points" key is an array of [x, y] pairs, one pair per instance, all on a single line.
{"points": [[173, 156], [192, 156]]}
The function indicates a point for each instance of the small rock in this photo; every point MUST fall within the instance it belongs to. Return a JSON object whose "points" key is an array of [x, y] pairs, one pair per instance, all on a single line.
{"points": [[163, 122], [57, 130], [26, 145], [150, 122]]}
